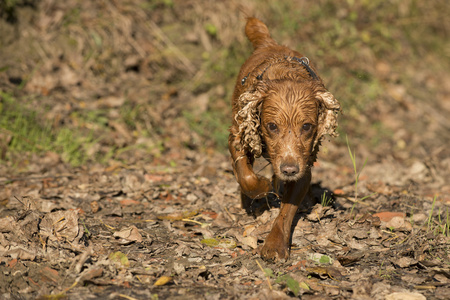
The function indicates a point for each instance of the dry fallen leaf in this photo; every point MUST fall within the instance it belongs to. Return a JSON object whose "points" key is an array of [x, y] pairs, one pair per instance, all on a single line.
{"points": [[178, 216], [317, 213], [404, 262], [91, 274], [131, 234], [398, 223], [60, 225], [248, 230], [386, 216], [405, 296], [320, 258], [251, 241], [20, 253], [163, 280], [221, 243], [331, 272], [8, 224]]}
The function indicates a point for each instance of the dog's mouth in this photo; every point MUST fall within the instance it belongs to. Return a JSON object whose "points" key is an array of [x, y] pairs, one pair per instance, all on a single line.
{"points": [[289, 177]]}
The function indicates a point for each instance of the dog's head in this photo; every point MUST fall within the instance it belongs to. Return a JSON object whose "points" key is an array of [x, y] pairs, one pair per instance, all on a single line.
{"points": [[289, 118]]}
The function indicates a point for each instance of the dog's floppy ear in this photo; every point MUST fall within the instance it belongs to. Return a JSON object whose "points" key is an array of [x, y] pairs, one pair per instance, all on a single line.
{"points": [[328, 113], [248, 119]]}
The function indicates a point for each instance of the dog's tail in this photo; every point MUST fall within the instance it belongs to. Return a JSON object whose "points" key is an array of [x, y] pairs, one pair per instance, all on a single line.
{"points": [[258, 33]]}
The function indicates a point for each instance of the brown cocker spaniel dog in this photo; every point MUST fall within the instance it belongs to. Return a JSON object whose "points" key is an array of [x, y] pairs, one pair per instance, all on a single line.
{"points": [[281, 110]]}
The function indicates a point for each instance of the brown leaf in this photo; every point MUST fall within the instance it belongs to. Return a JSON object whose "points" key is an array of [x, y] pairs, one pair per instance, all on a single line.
{"points": [[404, 262], [21, 253], [109, 102], [350, 258], [398, 223], [91, 274], [49, 274], [131, 234], [380, 188], [331, 272], [316, 213], [405, 296], [60, 225], [250, 241], [388, 215], [8, 224], [179, 215]]}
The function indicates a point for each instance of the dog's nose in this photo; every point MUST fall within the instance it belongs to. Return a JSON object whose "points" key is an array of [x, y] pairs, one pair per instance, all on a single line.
{"points": [[289, 169]]}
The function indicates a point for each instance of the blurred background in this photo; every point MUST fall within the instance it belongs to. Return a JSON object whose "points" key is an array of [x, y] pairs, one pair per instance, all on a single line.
{"points": [[150, 81]]}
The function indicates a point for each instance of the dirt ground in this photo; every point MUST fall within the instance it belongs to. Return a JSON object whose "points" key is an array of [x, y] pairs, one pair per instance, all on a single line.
{"points": [[163, 221]]}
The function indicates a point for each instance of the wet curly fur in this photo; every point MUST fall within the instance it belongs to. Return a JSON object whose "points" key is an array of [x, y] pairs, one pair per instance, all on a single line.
{"points": [[281, 110], [248, 119]]}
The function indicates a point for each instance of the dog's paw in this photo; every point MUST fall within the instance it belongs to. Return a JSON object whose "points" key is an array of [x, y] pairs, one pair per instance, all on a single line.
{"points": [[275, 248], [275, 252]]}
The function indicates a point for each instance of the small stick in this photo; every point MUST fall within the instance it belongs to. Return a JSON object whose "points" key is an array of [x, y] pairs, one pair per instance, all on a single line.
{"points": [[268, 281]]}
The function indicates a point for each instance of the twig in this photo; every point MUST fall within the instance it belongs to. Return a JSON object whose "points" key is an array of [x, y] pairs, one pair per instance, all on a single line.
{"points": [[83, 258], [126, 297], [193, 221], [107, 226], [268, 281], [229, 214]]}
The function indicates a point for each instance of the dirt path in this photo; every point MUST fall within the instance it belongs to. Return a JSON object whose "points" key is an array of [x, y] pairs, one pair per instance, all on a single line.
{"points": [[178, 232]]}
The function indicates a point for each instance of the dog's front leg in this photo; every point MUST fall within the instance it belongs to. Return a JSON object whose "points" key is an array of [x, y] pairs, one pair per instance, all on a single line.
{"points": [[276, 245], [252, 185]]}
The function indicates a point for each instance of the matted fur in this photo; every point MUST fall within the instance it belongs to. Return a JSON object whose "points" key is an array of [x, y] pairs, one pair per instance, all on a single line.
{"points": [[248, 118], [328, 115]]}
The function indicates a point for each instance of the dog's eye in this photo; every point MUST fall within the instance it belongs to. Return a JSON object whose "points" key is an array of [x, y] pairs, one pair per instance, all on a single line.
{"points": [[307, 127], [272, 127]]}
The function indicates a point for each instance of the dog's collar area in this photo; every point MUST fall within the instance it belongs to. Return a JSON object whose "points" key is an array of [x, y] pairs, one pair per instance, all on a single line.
{"points": [[244, 79], [304, 61]]}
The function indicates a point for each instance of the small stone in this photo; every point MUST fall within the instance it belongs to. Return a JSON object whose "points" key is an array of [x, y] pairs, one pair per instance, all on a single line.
{"points": [[419, 218], [191, 197], [95, 207], [178, 268]]}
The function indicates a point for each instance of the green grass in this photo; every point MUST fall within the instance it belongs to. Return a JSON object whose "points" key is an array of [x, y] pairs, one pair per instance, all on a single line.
{"points": [[386, 273], [325, 200], [31, 134], [284, 279], [442, 224], [77, 141], [357, 173], [212, 124]]}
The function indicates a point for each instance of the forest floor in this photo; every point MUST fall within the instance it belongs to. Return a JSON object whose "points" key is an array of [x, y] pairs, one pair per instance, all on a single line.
{"points": [[114, 181]]}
